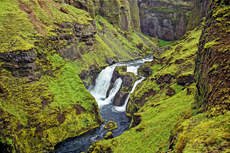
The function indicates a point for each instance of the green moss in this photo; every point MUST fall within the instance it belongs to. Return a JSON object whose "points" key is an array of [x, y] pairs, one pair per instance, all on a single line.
{"points": [[163, 43], [15, 36], [210, 44], [110, 125], [149, 136], [200, 134]]}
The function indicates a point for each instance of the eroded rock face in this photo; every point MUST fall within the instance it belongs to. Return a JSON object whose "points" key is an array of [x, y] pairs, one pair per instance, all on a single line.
{"points": [[128, 80], [120, 98], [200, 10], [20, 64], [164, 20], [185, 79], [212, 64], [164, 78]]}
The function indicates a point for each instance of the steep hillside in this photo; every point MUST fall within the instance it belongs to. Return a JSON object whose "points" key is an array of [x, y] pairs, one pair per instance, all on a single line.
{"points": [[45, 46], [200, 10]]}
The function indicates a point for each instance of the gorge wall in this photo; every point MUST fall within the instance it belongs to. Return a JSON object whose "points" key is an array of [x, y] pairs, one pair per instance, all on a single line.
{"points": [[165, 20], [212, 64]]}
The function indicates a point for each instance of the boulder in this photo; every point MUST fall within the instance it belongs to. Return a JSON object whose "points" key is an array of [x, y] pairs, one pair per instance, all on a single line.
{"points": [[120, 98], [110, 60], [108, 135], [110, 125], [164, 79], [185, 79], [171, 92]]}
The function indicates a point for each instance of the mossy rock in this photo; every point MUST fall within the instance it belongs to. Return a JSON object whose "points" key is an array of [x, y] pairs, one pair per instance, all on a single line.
{"points": [[108, 135], [110, 125]]}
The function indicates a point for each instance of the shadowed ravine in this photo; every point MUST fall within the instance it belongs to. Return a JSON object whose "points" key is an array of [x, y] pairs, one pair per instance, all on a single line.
{"points": [[107, 110]]}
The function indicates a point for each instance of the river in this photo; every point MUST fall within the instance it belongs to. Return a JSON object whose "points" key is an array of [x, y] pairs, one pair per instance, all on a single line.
{"points": [[107, 110]]}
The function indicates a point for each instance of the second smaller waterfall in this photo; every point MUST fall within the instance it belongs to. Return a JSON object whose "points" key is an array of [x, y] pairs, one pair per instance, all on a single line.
{"points": [[123, 108]]}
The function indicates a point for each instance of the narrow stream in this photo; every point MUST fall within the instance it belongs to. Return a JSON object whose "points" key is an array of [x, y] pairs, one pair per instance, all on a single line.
{"points": [[107, 110]]}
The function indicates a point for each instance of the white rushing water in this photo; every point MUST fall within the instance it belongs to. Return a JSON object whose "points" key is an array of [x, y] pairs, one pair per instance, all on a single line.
{"points": [[123, 107], [103, 82]]}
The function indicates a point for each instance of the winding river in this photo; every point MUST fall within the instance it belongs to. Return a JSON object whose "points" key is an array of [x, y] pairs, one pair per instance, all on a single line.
{"points": [[107, 110]]}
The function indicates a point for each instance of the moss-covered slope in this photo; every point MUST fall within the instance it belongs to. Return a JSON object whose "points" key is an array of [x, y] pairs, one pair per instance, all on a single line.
{"points": [[44, 47]]}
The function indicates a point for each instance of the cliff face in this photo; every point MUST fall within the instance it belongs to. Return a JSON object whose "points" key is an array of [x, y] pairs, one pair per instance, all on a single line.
{"points": [[166, 20], [212, 65], [124, 14], [200, 10]]}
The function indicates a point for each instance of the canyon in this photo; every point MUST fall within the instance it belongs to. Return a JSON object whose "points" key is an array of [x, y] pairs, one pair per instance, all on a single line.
{"points": [[54, 55]]}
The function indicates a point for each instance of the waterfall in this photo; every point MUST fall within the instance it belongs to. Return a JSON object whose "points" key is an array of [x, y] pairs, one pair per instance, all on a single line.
{"points": [[102, 83], [107, 110]]}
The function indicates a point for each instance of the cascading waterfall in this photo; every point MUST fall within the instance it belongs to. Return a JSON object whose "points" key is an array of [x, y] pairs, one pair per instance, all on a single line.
{"points": [[103, 82], [107, 110]]}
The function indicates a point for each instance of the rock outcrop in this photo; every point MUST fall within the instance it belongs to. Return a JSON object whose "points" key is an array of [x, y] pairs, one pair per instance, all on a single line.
{"points": [[212, 64], [110, 125], [165, 20], [128, 80], [199, 11]]}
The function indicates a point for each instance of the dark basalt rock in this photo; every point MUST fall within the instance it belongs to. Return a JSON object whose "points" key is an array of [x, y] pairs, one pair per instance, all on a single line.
{"points": [[21, 64], [145, 69], [171, 92], [22, 57], [120, 98], [164, 79], [92, 71], [1, 89], [108, 135], [136, 119], [110, 61], [127, 81], [157, 22], [182, 80]]}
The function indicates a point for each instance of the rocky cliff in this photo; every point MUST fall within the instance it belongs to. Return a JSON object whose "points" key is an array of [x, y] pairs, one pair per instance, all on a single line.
{"points": [[124, 14], [200, 10], [212, 64], [165, 20], [46, 48]]}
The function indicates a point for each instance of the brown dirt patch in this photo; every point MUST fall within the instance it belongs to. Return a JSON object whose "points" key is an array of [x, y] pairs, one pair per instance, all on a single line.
{"points": [[45, 7], [61, 118], [33, 2], [79, 109], [37, 24], [146, 95]]}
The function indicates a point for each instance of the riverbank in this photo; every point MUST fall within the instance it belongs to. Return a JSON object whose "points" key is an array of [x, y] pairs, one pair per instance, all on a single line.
{"points": [[108, 111]]}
